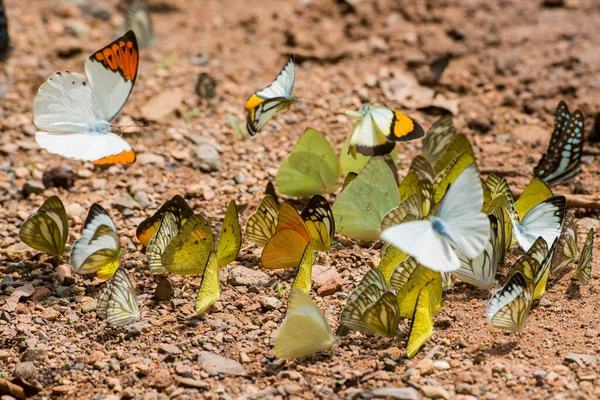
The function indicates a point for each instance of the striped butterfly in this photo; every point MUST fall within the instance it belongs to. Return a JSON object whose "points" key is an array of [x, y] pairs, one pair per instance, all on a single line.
{"points": [[421, 327], [74, 115], [117, 302], [567, 249], [273, 99], [158, 243], [261, 225], [47, 229], [99, 249], [562, 159], [584, 267], [177, 206], [509, 307]]}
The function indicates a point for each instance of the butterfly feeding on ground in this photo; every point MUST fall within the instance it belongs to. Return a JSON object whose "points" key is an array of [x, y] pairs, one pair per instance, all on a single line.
{"points": [[509, 307], [544, 219], [177, 206], [5, 47], [117, 302], [562, 159], [378, 129], [459, 223], [268, 102], [138, 20], [74, 115], [584, 267], [304, 330], [47, 229], [99, 249]]}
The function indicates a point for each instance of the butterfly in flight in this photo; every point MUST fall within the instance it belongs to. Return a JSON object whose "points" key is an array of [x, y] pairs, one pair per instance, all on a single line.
{"points": [[74, 115], [268, 102], [562, 160]]}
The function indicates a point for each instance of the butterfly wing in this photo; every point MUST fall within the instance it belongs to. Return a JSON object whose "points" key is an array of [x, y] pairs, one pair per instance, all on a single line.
{"points": [[230, 240], [137, 19], [281, 87], [262, 113], [421, 327], [187, 253], [262, 224], [545, 220], [117, 302], [383, 316], [396, 126], [303, 279], [319, 221], [509, 307], [438, 138], [158, 243], [584, 267], [567, 249], [209, 290], [176, 206], [47, 230]]}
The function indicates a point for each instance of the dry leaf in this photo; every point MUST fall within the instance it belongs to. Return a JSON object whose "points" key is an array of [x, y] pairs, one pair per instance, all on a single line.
{"points": [[22, 291]]}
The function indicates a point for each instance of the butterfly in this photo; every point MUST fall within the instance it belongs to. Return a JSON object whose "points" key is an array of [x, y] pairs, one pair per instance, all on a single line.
{"points": [[562, 159], [535, 266], [421, 327], [74, 115], [319, 221], [117, 302], [205, 88], [47, 229], [138, 20], [99, 249], [5, 46], [544, 219], [583, 272], [408, 279], [187, 252], [177, 206], [304, 331], [268, 102], [372, 307], [567, 249], [303, 281], [167, 230], [209, 290], [390, 258], [230, 239], [378, 129], [459, 223], [261, 225], [509, 307]]}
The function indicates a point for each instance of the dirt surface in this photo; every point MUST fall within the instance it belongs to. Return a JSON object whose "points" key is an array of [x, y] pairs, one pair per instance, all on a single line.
{"points": [[512, 62]]}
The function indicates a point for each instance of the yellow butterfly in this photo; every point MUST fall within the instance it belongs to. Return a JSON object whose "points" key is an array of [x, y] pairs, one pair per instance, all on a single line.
{"points": [[390, 257], [303, 279], [584, 267], [117, 302], [261, 225], [275, 98], [509, 306], [230, 240], [421, 327], [319, 221], [438, 138], [411, 185], [167, 230], [535, 265], [408, 279], [304, 331], [188, 251], [209, 290], [99, 249], [47, 229], [176, 206]]}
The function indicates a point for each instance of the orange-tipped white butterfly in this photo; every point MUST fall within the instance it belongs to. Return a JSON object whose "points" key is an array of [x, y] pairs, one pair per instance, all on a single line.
{"points": [[74, 114]]}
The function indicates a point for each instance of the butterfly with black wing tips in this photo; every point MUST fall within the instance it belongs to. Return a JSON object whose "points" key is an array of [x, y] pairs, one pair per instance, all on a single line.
{"points": [[544, 219], [562, 160], [74, 115], [509, 307], [268, 102]]}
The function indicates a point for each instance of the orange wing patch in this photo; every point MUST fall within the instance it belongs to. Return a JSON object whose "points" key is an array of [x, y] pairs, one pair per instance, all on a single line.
{"points": [[253, 101], [402, 125], [120, 56], [126, 157]]}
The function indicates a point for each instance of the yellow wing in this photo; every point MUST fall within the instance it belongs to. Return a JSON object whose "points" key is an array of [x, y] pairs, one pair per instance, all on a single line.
{"points": [[187, 252], [409, 210], [458, 146], [303, 279], [304, 331], [509, 306], [47, 230], [409, 292], [535, 192], [363, 297], [158, 243], [421, 327], [449, 174], [584, 266], [262, 224], [230, 240], [209, 291], [284, 250], [383, 316], [319, 221], [391, 257], [176, 206]]}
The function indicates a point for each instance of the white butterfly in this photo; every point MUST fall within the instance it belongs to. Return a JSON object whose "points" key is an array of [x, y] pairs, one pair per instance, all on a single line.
{"points": [[459, 223], [268, 102], [545, 220], [117, 303], [74, 115]]}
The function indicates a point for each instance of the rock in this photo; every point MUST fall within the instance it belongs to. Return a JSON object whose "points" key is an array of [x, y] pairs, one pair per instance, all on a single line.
{"points": [[544, 302], [61, 176], [482, 125], [40, 293], [95, 9], [60, 273], [207, 158], [150, 158], [75, 210], [169, 349], [396, 393], [142, 198], [22, 172], [126, 202], [4, 355], [587, 223], [215, 364], [269, 302], [378, 44], [441, 365], [49, 314], [465, 388], [76, 28], [582, 360], [436, 392], [193, 383], [89, 305], [197, 139], [330, 287], [322, 273], [425, 366], [463, 377], [163, 105], [33, 354], [161, 379], [238, 177], [33, 187], [25, 370], [242, 276], [184, 370]]}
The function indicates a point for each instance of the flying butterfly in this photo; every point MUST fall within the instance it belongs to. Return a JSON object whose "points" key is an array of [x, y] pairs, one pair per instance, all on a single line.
{"points": [[47, 229], [209, 290], [304, 331], [117, 302], [5, 46], [584, 267], [439, 136], [562, 159], [138, 20], [177, 206], [273, 99], [99, 249], [74, 115], [509, 307], [378, 129]]}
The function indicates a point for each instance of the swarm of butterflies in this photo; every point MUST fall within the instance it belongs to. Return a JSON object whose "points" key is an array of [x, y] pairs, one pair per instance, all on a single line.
{"points": [[441, 222]]}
